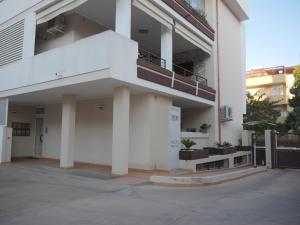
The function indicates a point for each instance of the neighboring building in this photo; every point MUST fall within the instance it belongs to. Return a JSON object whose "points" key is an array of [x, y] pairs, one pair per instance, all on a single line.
{"points": [[113, 82], [275, 83]]}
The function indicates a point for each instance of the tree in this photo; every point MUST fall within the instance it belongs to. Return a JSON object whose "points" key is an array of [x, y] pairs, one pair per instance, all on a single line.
{"points": [[293, 119], [261, 111]]}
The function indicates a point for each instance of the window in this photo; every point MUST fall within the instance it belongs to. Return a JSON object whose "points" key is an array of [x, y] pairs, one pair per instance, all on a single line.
{"points": [[21, 129], [197, 4], [284, 113], [277, 90]]}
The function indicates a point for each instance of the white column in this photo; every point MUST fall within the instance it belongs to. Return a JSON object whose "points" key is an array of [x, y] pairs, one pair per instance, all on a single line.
{"points": [[268, 148], [231, 162], [120, 138], [3, 111], [5, 133], [247, 137], [123, 17], [29, 35], [68, 131], [167, 46]]}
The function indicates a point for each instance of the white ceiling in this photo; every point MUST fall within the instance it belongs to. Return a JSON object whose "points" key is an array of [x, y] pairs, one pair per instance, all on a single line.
{"points": [[91, 90]]}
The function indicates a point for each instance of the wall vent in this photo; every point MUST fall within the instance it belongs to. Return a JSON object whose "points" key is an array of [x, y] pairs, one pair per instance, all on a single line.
{"points": [[11, 43]]}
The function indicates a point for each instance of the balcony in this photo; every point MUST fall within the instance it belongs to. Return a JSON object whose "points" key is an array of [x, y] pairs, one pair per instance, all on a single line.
{"points": [[195, 17], [96, 57], [152, 68]]}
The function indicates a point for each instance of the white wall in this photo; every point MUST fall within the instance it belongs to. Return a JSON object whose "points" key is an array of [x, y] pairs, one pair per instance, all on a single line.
{"points": [[76, 28], [93, 131], [149, 129], [22, 146], [231, 77], [194, 117]]}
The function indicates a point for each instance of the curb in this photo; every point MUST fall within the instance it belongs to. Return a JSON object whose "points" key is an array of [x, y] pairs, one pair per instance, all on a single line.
{"points": [[205, 180]]}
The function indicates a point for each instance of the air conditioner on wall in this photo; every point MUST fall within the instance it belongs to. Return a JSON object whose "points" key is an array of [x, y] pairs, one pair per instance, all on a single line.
{"points": [[226, 113], [56, 25]]}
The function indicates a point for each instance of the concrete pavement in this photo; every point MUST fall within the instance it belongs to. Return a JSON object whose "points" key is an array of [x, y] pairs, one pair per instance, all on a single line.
{"points": [[43, 197]]}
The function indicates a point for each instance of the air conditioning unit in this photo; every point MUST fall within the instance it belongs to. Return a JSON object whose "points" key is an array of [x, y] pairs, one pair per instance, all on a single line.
{"points": [[56, 25], [226, 113]]}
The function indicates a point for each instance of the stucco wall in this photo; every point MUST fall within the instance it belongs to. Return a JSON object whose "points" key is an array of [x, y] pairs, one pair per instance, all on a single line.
{"points": [[22, 146], [231, 72], [76, 28], [149, 131]]}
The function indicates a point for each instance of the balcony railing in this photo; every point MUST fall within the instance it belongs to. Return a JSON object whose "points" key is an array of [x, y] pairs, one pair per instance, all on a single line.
{"points": [[151, 58], [158, 61], [194, 16], [187, 73]]}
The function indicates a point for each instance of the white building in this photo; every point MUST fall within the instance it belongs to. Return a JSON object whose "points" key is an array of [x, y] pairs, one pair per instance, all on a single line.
{"points": [[113, 82]]}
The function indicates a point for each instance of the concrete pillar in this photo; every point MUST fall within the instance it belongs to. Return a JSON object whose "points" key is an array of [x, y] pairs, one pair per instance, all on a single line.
{"points": [[3, 111], [123, 17], [5, 132], [120, 138], [268, 148], [68, 131], [231, 162], [29, 35], [167, 46], [247, 137]]}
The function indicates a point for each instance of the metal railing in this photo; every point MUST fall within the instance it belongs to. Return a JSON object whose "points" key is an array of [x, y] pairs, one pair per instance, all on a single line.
{"points": [[198, 13], [151, 58], [156, 60], [187, 73]]}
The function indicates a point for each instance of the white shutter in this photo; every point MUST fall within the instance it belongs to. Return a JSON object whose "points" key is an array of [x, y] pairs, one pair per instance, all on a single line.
{"points": [[11, 43]]}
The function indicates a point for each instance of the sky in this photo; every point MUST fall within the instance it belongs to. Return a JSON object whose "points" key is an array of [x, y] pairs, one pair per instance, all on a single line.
{"points": [[273, 33]]}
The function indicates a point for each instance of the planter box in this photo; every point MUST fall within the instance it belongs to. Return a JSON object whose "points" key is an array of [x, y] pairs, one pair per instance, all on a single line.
{"points": [[243, 148], [220, 151], [193, 154]]}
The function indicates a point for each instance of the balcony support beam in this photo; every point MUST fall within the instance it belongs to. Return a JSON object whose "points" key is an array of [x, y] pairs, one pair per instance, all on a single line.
{"points": [[120, 137], [123, 17], [29, 35], [68, 131], [167, 46]]}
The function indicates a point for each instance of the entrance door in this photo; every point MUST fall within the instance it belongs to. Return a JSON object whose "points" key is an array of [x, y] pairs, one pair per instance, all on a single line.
{"points": [[38, 150], [175, 136]]}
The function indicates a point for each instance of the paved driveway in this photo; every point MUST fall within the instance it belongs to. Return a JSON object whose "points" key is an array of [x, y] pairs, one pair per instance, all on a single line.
{"points": [[29, 196]]}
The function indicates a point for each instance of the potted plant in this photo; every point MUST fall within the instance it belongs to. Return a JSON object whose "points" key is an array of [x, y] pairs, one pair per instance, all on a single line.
{"points": [[221, 149], [191, 154], [204, 128], [241, 148]]}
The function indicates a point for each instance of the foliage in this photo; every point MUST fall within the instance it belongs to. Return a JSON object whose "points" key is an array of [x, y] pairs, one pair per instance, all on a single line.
{"points": [[260, 110], [293, 120], [200, 14], [204, 128], [225, 144], [188, 143]]}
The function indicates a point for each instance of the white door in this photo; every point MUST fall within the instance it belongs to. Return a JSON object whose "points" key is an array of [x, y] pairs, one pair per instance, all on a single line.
{"points": [[175, 136], [38, 150]]}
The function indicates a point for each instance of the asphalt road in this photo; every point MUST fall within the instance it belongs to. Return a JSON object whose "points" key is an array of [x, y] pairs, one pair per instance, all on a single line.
{"points": [[33, 197]]}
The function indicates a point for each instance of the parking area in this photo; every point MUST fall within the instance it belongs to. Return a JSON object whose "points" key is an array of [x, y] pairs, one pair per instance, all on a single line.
{"points": [[38, 196]]}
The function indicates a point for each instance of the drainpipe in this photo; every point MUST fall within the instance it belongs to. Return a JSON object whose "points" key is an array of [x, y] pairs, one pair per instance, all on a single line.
{"points": [[218, 71]]}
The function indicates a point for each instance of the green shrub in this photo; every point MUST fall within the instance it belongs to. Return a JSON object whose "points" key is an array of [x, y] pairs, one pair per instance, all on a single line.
{"points": [[225, 144], [188, 143]]}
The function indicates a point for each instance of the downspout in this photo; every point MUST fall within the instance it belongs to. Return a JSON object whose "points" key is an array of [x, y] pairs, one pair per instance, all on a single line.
{"points": [[218, 71]]}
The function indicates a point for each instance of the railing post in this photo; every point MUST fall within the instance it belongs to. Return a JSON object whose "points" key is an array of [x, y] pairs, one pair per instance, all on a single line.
{"points": [[173, 79], [268, 144], [197, 86]]}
